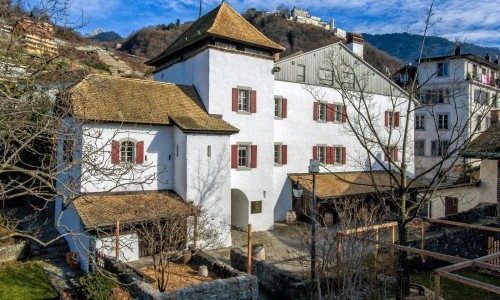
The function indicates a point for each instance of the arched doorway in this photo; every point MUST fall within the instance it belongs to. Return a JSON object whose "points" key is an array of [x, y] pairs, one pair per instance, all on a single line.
{"points": [[239, 209]]}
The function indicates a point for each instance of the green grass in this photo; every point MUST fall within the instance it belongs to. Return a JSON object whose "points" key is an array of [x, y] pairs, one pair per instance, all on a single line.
{"points": [[24, 281], [452, 290]]}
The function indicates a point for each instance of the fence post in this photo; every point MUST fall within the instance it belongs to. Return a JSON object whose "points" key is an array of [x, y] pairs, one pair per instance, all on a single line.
{"points": [[422, 242], [437, 288], [377, 238], [249, 250], [393, 237], [117, 238]]}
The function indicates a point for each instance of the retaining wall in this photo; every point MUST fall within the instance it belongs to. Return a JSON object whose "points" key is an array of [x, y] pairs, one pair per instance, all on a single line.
{"points": [[14, 252]]}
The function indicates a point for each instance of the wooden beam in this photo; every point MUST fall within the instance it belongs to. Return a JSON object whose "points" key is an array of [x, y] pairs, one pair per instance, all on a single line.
{"points": [[465, 225], [368, 228], [475, 283], [117, 240], [437, 286]]}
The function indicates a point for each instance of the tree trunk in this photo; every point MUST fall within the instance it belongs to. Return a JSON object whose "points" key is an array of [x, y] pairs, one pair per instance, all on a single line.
{"points": [[403, 274]]}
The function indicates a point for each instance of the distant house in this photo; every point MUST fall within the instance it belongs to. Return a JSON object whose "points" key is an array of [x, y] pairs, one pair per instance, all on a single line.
{"points": [[36, 37]]}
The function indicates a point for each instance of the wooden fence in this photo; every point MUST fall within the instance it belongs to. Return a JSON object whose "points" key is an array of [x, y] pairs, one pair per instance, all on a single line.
{"points": [[493, 247]]}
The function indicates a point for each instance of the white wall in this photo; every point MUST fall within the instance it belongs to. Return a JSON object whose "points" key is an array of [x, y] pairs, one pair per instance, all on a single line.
{"points": [[180, 163], [489, 180], [129, 246], [99, 175]]}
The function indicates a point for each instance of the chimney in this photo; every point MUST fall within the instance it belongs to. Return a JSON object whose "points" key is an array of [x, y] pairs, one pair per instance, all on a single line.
{"points": [[355, 43], [496, 59], [457, 51], [487, 57]]}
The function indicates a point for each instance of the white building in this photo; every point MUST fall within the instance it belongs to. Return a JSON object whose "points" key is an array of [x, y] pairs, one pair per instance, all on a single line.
{"points": [[459, 97], [224, 126]]}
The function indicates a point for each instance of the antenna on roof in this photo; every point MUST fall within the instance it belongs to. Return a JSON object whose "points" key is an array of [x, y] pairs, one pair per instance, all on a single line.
{"points": [[200, 10]]}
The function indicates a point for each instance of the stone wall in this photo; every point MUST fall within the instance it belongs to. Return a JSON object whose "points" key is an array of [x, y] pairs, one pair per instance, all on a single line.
{"points": [[14, 252], [286, 284], [238, 286]]}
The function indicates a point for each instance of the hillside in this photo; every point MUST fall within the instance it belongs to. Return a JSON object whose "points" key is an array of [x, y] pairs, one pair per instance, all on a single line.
{"points": [[151, 41], [108, 36], [405, 46]]}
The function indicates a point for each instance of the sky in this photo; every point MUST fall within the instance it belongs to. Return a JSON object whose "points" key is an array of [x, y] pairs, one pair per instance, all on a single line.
{"points": [[474, 22]]}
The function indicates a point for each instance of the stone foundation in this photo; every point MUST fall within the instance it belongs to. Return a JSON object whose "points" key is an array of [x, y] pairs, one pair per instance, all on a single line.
{"points": [[14, 252]]}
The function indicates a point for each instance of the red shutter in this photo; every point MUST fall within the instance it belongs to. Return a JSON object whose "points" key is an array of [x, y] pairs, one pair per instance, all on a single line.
{"points": [[139, 152], [284, 154], [253, 101], [386, 119], [315, 111], [283, 107], [396, 119], [234, 156], [253, 162], [330, 108], [315, 152], [344, 114], [386, 157], [344, 160], [395, 153], [235, 99], [115, 152], [329, 159]]}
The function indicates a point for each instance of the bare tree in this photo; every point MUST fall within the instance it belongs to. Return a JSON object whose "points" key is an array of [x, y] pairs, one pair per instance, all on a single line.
{"points": [[379, 142]]}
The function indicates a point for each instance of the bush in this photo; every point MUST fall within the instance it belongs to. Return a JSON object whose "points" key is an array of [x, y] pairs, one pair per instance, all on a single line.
{"points": [[97, 286]]}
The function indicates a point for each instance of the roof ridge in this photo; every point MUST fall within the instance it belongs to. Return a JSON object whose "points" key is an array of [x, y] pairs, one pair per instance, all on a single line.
{"points": [[245, 20], [137, 79], [216, 17]]}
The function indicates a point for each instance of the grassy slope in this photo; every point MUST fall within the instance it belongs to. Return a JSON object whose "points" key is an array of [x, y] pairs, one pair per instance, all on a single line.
{"points": [[24, 281]]}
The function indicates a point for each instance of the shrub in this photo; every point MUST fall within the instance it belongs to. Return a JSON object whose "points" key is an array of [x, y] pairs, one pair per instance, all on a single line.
{"points": [[97, 286]]}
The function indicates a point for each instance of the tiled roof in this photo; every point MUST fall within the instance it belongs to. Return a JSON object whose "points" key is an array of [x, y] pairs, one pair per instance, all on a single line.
{"points": [[225, 22], [102, 210], [346, 184], [486, 145], [116, 99]]}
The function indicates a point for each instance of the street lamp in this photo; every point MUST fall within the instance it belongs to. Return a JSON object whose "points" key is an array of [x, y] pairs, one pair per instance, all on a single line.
{"points": [[297, 190], [313, 168]]}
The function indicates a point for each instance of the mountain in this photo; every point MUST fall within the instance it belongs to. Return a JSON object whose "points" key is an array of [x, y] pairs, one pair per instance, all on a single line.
{"points": [[108, 36], [405, 46], [94, 32]]}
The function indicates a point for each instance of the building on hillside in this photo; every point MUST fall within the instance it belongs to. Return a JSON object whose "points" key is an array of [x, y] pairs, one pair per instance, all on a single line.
{"points": [[224, 126], [459, 99], [303, 17], [36, 37]]}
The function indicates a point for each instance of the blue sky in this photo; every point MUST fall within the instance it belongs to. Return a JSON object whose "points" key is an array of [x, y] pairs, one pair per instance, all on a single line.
{"points": [[456, 19]]}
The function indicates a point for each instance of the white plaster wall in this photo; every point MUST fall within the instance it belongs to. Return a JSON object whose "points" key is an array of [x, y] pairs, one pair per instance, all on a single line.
{"points": [[129, 246], [230, 70], [193, 71], [99, 175], [468, 197], [180, 163], [427, 72], [300, 133], [208, 182]]}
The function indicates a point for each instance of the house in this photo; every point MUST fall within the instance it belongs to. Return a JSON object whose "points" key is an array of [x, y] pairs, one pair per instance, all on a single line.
{"points": [[224, 127], [459, 100]]}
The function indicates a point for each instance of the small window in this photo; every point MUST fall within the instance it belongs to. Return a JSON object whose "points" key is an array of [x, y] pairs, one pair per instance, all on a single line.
{"points": [[481, 97], [127, 151], [209, 151], [243, 156], [338, 113], [68, 149], [439, 148], [277, 107], [277, 154], [443, 121], [326, 77], [322, 154], [244, 100], [301, 73], [442, 69], [392, 151], [420, 122], [322, 111], [337, 155], [420, 148], [256, 207], [347, 80]]}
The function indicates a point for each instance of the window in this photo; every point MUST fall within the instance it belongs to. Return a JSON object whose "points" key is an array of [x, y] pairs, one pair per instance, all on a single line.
{"points": [[338, 155], [481, 97], [392, 152], [442, 69], [339, 109], [420, 148], [320, 111], [443, 121], [319, 153], [450, 206], [280, 107], [347, 79], [68, 148], [244, 100], [420, 122], [243, 156], [209, 151], [435, 96], [391, 119], [301, 73], [127, 151], [280, 154], [326, 77], [439, 148], [256, 207]]}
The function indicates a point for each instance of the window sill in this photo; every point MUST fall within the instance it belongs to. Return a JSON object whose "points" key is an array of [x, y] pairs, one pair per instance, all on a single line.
{"points": [[243, 169], [243, 112], [321, 121], [278, 118], [278, 165]]}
